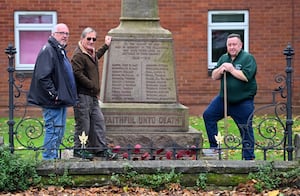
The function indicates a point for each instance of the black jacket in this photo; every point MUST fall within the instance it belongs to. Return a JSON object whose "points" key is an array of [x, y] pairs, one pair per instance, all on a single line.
{"points": [[50, 79]]}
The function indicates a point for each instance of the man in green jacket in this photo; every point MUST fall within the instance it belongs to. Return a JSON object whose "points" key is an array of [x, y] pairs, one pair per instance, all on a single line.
{"points": [[240, 68]]}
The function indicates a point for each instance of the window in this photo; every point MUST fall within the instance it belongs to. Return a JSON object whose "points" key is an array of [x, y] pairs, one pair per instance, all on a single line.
{"points": [[221, 24], [32, 30]]}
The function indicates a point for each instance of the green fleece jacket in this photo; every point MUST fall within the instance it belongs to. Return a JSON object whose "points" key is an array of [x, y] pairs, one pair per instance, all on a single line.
{"points": [[238, 90]]}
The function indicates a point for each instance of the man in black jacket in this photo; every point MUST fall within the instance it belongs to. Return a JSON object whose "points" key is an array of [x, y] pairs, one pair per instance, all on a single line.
{"points": [[53, 88]]}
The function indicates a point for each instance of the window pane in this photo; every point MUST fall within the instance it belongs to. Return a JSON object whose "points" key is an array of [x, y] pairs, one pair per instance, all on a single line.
{"points": [[30, 45], [228, 18], [218, 41], [35, 19]]}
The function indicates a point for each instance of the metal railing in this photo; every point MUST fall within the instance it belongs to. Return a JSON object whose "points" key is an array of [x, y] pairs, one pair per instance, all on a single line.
{"points": [[26, 133]]}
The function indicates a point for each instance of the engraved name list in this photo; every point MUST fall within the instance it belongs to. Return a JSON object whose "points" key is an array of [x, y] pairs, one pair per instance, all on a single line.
{"points": [[140, 71]]}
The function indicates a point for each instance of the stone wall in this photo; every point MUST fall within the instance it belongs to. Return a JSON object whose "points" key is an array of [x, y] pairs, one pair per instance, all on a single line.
{"points": [[220, 173]]}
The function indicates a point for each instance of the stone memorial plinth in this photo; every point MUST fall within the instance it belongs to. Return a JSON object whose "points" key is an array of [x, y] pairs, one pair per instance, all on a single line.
{"points": [[138, 93]]}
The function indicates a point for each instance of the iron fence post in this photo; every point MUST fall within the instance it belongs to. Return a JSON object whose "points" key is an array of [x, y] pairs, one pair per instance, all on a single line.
{"points": [[289, 52], [11, 51]]}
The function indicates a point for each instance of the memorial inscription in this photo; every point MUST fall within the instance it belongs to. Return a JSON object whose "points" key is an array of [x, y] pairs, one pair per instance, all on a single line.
{"points": [[140, 71], [145, 120]]}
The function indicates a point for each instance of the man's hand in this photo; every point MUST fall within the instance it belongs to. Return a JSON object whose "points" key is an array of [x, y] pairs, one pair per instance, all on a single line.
{"points": [[228, 67], [218, 73], [107, 40]]}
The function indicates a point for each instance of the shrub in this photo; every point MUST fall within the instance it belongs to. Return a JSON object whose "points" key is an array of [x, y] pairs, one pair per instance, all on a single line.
{"points": [[64, 180], [156, 181], [16, 173], [267, 177], [201, 181]]}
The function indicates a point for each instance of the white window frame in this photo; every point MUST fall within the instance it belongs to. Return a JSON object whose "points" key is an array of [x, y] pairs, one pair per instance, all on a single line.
{"points": [[226, 26], [30, 27]]}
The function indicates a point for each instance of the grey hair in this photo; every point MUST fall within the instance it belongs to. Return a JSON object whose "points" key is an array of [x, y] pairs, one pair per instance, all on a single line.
{"points": [[54, 29], [234, 35], [86, 31]]}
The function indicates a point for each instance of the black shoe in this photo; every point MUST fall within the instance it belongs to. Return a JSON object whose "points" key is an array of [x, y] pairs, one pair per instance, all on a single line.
{"points": [[99, 154], [110, 155], [83, 154]]}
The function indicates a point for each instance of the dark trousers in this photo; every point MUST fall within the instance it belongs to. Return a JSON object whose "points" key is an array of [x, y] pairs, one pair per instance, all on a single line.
{"points": [[240, 113], [89, 119]]}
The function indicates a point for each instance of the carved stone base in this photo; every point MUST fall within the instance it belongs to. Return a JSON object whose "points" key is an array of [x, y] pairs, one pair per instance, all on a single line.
{"points": [[147, 118], [166, 140]]}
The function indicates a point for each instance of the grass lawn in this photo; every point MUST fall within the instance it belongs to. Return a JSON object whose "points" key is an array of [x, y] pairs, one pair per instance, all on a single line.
{"points": [[271, 134], [268, 131]]}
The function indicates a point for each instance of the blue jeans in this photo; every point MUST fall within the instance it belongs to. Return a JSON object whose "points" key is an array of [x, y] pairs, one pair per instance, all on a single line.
{"points": [[239, 113], [55, 124]]}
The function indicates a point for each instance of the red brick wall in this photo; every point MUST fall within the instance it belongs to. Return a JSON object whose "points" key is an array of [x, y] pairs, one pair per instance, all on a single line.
{"points": [[272, 25]]}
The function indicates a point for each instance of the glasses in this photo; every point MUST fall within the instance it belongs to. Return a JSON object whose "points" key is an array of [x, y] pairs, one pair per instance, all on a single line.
{"points": [[91, 38], [63, 33]]}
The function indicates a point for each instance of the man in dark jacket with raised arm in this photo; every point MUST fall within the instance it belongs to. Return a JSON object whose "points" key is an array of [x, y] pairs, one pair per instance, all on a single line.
{"points": [[88, 115]]}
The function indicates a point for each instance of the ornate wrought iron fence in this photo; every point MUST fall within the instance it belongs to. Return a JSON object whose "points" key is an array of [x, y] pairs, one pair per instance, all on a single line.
{"points": [[274, 130]]}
